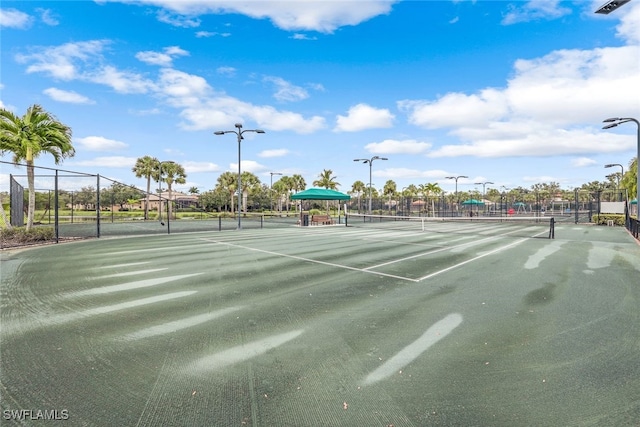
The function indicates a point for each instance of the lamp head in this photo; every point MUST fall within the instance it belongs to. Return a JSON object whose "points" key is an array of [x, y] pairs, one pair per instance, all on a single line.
{"points": [[612, 119], [218, 132], [259, 131], [609, 126], [238, 125]]}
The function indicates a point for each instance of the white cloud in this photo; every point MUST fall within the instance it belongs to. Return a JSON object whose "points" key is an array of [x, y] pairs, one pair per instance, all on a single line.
{"points": [[286, 91], [163, 59], [405, 173], [324, 17], [226, 71], [389, 146], [299, 36], [177, 20], [629, 27], [201, 34], [13, 18], [534, 10], [274, 153], [248, 166], [47, 17], [67, 96], [582, 162], [195, 167], [538, 112], [363, 116], [99, 143], [65, 61], [121, 81], [108, 162]]}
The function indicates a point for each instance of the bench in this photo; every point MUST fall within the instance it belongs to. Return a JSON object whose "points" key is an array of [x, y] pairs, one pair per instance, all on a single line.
{"points": [[321, 220]]}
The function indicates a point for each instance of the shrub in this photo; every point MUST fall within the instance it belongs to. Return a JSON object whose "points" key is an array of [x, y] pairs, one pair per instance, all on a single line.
{"points": [[603, 219], [20, 236]]}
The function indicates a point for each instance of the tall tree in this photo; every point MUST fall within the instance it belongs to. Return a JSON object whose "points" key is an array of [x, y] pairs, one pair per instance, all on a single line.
{"points": [[228, 183], [326, 180], [172, 172], [146, 167], [390, 189], [250, 186], [358, 188], [36, 132], [431, 188]]}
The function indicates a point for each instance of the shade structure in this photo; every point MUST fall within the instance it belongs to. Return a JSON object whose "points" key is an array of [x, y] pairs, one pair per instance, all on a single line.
{"points": [[473, 202], [320, 194], [634, 202], [519, 204]]}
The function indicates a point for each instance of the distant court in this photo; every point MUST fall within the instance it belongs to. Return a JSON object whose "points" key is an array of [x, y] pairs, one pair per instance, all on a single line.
{"points": [[425, 323]]}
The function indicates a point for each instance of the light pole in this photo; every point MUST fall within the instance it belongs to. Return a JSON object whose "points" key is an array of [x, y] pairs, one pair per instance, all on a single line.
{"points": [[610, 6], [239, 133], [456, 178], [483, 189], [271, 188], [370, 161], [615, 121]]}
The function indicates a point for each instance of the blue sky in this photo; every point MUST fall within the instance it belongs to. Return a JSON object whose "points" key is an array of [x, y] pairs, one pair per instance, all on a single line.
{"points": [[512, 92]]}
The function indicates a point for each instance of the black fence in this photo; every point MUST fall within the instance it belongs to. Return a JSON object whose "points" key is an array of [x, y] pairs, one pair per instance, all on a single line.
{"points": [[80, 205]]}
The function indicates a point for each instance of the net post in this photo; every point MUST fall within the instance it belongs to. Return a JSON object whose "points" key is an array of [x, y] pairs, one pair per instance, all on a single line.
{"points": [[552, 228], [98, 206]]}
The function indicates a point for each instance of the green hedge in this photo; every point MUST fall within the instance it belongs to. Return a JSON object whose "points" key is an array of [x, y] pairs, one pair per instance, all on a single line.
{"points": [[603, 219]]}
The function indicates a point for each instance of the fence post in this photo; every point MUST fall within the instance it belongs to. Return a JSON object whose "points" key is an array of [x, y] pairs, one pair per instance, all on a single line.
{"points": [[98, 205], [55, 212]]}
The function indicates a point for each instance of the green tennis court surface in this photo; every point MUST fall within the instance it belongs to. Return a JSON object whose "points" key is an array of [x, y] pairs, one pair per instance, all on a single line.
{"points": [[326, 326]]}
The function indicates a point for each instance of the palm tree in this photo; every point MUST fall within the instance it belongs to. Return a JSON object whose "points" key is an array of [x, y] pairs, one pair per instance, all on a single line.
{"points": [[281, 191], [299, 183], [146, 167], [228, 182], [358, 188], [326, 180], [250, 185], [411, 192], [36, 132], [390, 189], [193, 191], [431, 188], [170, 173]]}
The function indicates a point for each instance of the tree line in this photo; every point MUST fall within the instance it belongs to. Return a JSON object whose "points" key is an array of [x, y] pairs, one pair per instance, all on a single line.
{"points": [[39, 132]]}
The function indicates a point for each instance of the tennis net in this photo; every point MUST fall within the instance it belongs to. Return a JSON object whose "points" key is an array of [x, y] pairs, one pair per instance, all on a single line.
{"points": [[521, 226]]}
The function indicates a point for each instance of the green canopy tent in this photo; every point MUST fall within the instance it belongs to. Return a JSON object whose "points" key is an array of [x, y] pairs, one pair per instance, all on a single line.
{"points": [[473, 202], [319, 194]]}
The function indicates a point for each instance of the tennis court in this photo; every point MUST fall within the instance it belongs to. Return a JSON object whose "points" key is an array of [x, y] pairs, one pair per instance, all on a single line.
{"points": [[387, 324]]}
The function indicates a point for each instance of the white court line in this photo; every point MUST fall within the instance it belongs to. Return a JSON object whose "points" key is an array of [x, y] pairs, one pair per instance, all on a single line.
{"points": [[330, 264], [448, 248], [428, 276]]}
